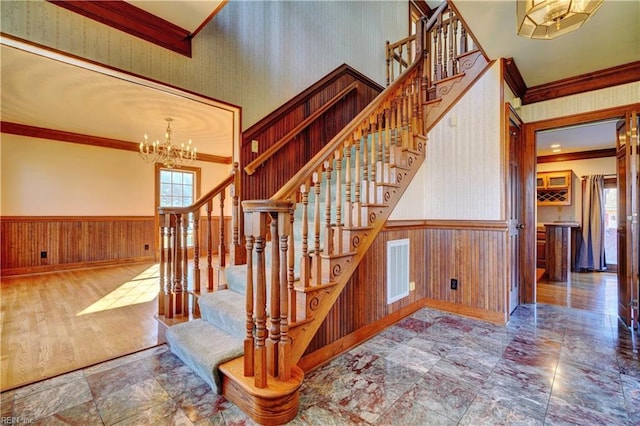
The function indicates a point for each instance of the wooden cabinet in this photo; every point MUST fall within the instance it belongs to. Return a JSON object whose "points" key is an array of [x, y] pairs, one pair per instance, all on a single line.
{"points": [[541, 254], [554, 188]]}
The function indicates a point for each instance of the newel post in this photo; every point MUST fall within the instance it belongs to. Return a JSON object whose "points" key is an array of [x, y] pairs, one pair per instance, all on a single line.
{"points": [[267, 227]]}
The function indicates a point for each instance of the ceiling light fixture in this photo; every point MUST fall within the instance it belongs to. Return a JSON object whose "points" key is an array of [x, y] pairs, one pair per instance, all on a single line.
{"points": [[547, 19], [166, 153], [555, 145]]}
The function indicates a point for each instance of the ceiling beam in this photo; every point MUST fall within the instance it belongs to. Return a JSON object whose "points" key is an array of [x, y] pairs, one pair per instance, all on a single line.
{"points": [[132, 20]]}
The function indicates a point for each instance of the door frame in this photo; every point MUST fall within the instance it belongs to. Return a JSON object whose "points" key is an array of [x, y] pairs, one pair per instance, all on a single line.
{"points": [[528, 290], [512, 117]]}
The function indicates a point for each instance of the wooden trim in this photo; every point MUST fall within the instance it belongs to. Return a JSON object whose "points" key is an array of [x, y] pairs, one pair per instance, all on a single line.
{"points": [[302, 97], [6, 272], [336, 348], [251, 167], [73, 218], [132, 20], [475, 225], [62, 136], [497, 318], [581, 118], [513, 77], [614, 76], [572, 156]]}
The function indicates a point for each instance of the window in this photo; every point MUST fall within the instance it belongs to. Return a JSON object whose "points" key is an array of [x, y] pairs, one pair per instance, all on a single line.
{"points": [[178, 188]]}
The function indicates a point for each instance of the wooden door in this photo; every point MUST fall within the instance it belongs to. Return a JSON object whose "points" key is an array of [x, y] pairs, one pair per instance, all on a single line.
{"points": [[627, 168], [516, 210]]}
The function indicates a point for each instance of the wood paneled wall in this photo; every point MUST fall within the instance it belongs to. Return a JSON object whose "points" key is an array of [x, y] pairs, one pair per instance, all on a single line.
{"points": [[73, 242], [473, 252], [276, 171], [215, 237]]}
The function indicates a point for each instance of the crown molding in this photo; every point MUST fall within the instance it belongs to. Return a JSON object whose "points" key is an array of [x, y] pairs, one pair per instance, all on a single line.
{"points": [[614, 76], [62, 136], [572, 156], [513, 78]]}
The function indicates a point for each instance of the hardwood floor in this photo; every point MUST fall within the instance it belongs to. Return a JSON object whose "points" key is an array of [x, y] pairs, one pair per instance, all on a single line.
{"points": [[596, 292], [58, 322]]}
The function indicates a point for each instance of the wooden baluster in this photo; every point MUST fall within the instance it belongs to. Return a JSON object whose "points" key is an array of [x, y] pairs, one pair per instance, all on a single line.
{"points": [[380, 158], [176, 285], [388, 52], [463, 40], [328, 236], [445, 49], [364, 148], [357, 206], [235, 255], [305, 265], [196, 251], [284, 345], [348, 217], [290, 263], [209, 247], [260, 372], [274, 315], [387, 144], [170, 279], [162, 290], [454, 42], [409, 56], [404, 101], [317, 264], [373, 172], [249, 367], [184, 300], [222, 259], [400, 60], [337, 155]]}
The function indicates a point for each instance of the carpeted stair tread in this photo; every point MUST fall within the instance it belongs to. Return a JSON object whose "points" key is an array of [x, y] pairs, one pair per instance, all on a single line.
{"points": [[203, 347], [224, 309]]}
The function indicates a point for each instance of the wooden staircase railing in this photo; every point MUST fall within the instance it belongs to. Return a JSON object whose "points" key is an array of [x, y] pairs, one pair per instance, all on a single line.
{"points": [[173, 298], [336, 205]]}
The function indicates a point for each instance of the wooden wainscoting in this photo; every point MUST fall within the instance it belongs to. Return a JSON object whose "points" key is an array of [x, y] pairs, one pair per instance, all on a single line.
{"points": [[33, 244], [473, 252]]}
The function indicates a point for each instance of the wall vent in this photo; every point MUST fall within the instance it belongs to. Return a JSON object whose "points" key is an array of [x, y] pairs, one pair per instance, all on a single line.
{"points": [[397, 270]]}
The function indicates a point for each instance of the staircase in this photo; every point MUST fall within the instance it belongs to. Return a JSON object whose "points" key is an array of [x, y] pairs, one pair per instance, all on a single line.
{"points": [[303, 244]]}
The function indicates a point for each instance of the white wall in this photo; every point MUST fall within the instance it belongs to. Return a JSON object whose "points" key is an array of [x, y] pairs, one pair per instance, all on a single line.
{"points": [[41, 177], [580, 168], [254, 54], [462, 177]]}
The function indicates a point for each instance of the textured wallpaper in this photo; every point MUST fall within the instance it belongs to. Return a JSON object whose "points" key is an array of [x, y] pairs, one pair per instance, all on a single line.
{"points": [[254, 54]]}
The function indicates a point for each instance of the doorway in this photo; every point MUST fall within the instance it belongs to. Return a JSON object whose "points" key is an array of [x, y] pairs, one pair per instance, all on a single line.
{"points": [[531, 167]]}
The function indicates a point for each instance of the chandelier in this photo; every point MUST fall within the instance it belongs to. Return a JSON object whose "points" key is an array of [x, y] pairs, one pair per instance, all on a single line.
{"points": [[547, 19], [166, 153]]}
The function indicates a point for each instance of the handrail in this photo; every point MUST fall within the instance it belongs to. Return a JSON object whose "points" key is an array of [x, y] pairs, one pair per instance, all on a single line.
{"points": [[252, 166], [318, 160], [200, 202]]}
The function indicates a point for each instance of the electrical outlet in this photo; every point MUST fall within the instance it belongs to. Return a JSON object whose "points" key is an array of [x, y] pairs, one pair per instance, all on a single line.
{"points": [[146, 246], [412, 286], [254, 146], [454, 284], [43, 255]]}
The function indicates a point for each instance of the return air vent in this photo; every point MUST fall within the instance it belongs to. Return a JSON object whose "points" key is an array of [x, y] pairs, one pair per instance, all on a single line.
{"points": [[397, 270]]}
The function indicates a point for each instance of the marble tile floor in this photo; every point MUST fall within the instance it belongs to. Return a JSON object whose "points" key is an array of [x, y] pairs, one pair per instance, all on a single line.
{"points": [[550, 365]]}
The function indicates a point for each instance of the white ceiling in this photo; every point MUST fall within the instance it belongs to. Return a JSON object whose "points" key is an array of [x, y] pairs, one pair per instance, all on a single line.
{"points": [[43, 92], [187, 14]]}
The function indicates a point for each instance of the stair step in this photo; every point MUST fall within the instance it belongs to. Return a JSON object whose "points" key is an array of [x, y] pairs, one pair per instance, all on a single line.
{"points": [[203, 347], [224, 309]]}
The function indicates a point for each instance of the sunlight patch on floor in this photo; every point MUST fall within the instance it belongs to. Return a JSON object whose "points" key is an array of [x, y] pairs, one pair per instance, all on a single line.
{"points": [[141, 289]]}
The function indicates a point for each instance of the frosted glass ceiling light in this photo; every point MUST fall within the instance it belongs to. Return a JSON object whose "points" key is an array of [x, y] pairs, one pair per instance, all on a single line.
{"points": [[547, 19]]}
